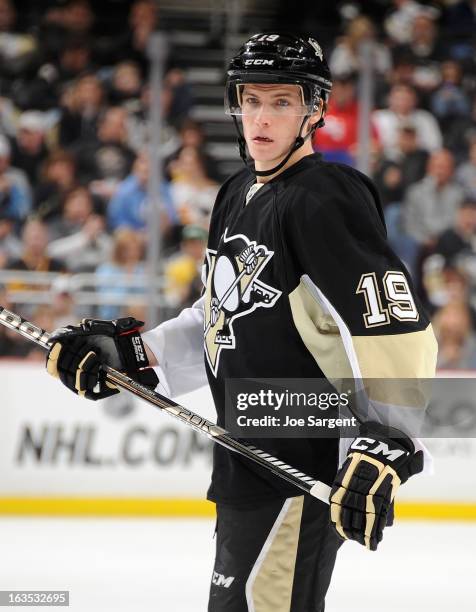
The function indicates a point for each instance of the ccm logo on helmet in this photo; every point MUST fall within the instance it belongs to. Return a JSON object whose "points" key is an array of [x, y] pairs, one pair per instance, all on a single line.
{"points": [[377, 448], [259, 62]]}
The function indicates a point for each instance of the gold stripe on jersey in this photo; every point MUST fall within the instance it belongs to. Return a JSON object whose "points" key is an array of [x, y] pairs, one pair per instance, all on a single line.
{"points": [[320, 334], [398, 369], [410, 355]]}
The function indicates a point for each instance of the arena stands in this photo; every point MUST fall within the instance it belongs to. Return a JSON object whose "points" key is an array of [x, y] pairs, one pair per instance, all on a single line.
{"points": [[74, 97]]}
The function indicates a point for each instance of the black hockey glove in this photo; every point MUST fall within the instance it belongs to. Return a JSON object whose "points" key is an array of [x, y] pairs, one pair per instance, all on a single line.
{"points": [[79, 351], [365, 486]]}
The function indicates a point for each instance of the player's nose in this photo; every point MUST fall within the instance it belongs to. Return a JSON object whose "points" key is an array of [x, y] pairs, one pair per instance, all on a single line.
{"points": [[263, 116]]}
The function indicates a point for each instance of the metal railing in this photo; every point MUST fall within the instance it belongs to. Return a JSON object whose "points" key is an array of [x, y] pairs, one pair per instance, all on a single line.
{"points": [[23, 287]]}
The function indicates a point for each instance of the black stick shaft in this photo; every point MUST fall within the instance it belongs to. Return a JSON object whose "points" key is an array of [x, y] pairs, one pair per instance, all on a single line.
{"points": [[219, 435]]}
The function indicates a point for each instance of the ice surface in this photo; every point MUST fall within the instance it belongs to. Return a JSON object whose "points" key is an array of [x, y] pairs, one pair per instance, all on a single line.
{"points": [[164, 565]]}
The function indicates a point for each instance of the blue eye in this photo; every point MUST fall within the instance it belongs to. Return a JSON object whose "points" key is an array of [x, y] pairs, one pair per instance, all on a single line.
{"points": [[282, 102]]}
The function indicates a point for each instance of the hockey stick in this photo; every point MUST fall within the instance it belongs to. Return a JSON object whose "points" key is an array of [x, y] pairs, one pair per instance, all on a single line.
{"points": [[219, 435]]}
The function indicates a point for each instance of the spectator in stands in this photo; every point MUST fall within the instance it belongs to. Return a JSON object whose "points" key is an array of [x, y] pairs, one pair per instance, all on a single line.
{"points": [[7, 16], [8, 113], [443, 284], [345, 57], [76, 208], [143, 20], [66, 61], [398, 24], [431, 205], [15, 193], [34, 256], [466, 173], [82, 241], [106, 159], [128, 206], [460, 239], [338, 139], [73, 19], [10, 245], [460, 25], [454, 257], [403, 110], [62, 302], [394, 176], [426, 50], [193, 192], [81, 105], [17, 48], [460, 132], [450, 100], [123, 275], [78, 17], [74, 60], [57, 178], [29, 148], [126, 84], [191, 134], [456, 338], [177, 97], [402, 73], [451, 264], [182, 270], [139, 134]]}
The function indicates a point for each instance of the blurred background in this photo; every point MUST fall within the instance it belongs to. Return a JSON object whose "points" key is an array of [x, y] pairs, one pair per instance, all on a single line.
{"points": [[113, 145], [89, 189]]}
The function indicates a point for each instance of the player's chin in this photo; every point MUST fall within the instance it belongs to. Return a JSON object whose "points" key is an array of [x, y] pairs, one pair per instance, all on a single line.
{"points": [[264, 154]]}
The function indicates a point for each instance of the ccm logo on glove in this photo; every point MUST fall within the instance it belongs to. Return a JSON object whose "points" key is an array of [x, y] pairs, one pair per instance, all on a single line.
{"points": [[365, 444]]}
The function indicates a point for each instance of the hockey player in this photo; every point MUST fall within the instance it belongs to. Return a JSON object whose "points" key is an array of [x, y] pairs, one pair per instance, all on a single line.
{"points": [[299, 283]]}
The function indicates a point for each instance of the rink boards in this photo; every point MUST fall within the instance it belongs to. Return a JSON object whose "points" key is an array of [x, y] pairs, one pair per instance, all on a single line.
{"points": [[60, 454]]}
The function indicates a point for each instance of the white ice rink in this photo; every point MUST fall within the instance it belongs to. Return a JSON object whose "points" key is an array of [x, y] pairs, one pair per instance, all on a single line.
{"points": [[164, 565]]}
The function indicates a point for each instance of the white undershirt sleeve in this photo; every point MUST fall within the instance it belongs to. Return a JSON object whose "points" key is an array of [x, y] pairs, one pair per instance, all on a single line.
{"points": [[178, 346]]}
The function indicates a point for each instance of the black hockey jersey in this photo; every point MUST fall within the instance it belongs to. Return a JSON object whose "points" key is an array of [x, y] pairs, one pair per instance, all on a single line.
{"points": [[301, 283]]}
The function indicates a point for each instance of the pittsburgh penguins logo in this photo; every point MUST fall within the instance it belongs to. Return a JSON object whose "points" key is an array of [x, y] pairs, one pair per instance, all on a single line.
{"points": [[317, 47], [233, 290]]}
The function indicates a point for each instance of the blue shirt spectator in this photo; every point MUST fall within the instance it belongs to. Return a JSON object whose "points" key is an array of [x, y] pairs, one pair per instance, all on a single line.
{"points": [[123, 277], [128, 206], [15, 196]]}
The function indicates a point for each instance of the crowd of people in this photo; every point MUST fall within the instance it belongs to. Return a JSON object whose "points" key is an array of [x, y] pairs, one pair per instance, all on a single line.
{"points": [[423, 140], [74, 163]]}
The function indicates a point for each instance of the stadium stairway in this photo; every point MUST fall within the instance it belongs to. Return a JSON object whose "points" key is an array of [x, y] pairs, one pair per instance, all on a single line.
{"points": [[198, 46]]}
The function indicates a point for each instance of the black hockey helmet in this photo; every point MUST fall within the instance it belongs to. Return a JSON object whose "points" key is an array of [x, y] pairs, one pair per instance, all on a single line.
{"points": [[277, 57]]}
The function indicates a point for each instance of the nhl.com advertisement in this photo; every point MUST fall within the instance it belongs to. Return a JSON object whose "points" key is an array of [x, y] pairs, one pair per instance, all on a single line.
{"points": [[53, 443]]}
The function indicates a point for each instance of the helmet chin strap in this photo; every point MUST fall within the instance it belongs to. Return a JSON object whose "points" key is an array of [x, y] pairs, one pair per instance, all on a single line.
{"points": [[299, 141]]}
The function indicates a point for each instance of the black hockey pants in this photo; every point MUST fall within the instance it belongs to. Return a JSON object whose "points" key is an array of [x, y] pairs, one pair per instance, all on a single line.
{"points": [[276, 557]]}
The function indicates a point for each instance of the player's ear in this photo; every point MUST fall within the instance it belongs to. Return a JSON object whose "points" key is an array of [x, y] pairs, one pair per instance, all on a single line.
{"points": [[318, 116]]}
